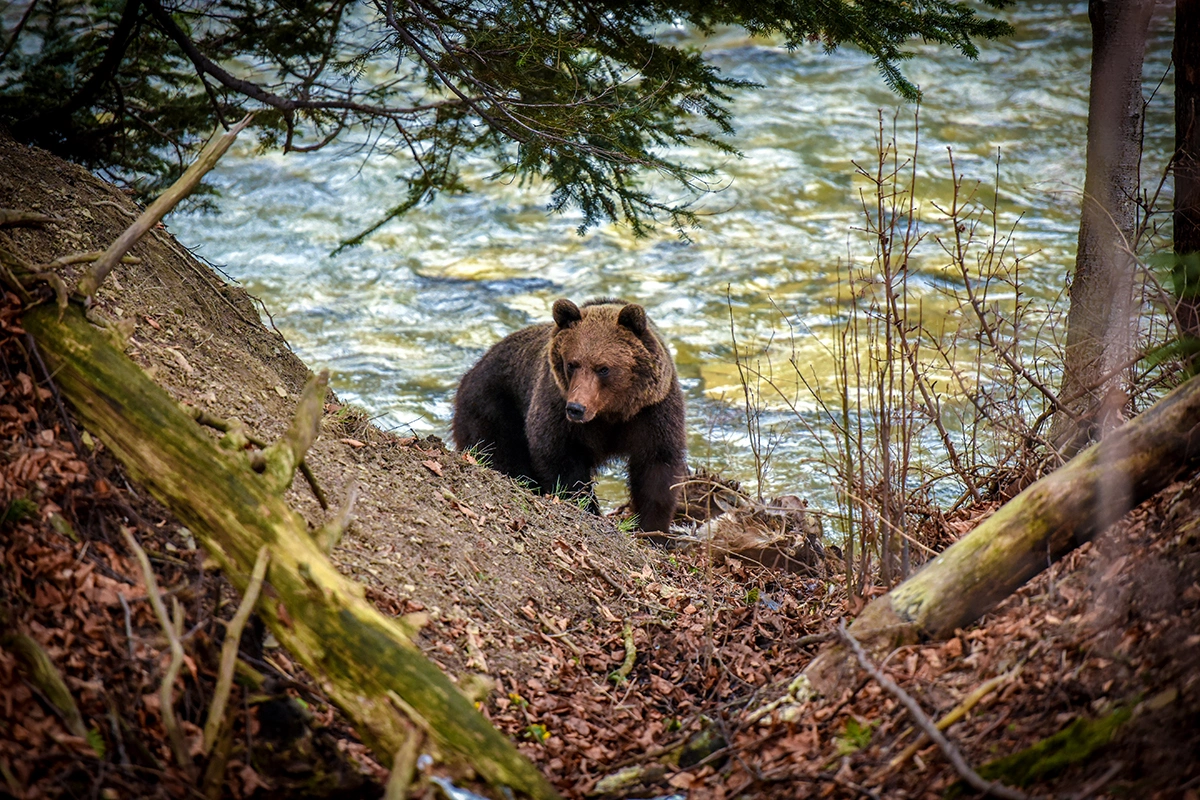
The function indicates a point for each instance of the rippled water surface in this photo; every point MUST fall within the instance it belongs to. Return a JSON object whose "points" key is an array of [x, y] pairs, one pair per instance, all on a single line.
{"points": [[399, 319]]}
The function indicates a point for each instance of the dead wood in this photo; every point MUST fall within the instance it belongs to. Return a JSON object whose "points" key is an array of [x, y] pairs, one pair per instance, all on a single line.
{"points": [[166, 692], [229, 649], [1036, 528], [953, 716], [225, 426], [330, 534], [926, 724], [282, 458], [186, 184], [365, 663]]}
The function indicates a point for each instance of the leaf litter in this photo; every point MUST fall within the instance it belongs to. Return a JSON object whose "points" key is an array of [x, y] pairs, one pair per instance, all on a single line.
{"points": [[539, 617]]}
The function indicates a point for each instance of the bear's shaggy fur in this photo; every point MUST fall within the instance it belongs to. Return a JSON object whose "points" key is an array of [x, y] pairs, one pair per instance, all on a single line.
{"points": [[553, 402]]}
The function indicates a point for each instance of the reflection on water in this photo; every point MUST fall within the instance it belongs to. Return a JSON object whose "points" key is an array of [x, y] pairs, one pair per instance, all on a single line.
{"points": [[399, 319]]}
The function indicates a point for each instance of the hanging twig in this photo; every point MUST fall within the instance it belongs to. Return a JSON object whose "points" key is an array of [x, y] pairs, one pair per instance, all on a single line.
{"points": [[229, 650], [926, 724], [166, 691], [311, 479], [187, 182]]}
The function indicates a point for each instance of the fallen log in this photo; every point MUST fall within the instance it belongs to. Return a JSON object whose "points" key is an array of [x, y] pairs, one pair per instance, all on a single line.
{"points": [[364, 662], [1034, 529]]}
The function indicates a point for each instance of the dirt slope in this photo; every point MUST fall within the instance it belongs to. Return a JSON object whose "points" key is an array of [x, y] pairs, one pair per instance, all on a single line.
{"points": [[200, 338], [546, 600]]}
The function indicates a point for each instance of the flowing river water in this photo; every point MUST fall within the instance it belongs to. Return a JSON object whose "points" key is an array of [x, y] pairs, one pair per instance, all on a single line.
{"points": [[400, 318]]}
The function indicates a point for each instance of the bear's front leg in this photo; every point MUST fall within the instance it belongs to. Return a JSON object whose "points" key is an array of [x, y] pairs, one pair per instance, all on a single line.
{"points": [[654, 492], [563, 466]]}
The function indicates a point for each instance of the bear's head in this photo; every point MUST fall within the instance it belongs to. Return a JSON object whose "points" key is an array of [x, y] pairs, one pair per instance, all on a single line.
{"points": [[608, 360]]}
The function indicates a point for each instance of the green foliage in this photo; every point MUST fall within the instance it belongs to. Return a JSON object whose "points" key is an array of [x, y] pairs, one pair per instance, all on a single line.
{"points": [[96, 742], [627, 524], [481, 455], [855, 737], [1181, 273], [537, 733], [19, 509], [585, 96]]}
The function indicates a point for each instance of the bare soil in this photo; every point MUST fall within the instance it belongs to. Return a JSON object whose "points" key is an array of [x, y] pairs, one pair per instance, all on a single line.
{"points": [[429, 527], [543, 599]]}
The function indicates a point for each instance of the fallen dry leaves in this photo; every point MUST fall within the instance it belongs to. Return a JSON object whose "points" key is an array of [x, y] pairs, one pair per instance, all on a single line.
{"points": [[1116, 623], [67, 582]]}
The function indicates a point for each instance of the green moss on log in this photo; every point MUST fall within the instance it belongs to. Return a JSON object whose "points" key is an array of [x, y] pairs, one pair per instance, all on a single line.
{"points": [[362, 659], [1074, 744], [1037, 527]]}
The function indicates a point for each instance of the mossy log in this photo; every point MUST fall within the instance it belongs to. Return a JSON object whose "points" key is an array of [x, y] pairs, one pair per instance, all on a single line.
{"points": [[365, 662], [1034, 529]]}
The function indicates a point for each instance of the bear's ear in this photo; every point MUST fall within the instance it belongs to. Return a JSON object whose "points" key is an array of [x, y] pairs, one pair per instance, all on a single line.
{"points": [[633, 317], [566, 313]]}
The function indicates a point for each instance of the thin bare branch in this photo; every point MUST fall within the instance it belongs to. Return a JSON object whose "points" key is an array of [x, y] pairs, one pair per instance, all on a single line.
{"points": [[229, 649], [187, 182], [166, 692], [926, 724]]}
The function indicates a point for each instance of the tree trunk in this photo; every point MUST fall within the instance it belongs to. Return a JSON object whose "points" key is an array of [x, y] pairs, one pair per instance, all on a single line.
{"points": [[1041, 525], [363, 661], [1099, 331], [1186, 55]]}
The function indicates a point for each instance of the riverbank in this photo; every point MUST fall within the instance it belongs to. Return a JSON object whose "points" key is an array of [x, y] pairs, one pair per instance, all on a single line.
{"points": [[528, 602]]}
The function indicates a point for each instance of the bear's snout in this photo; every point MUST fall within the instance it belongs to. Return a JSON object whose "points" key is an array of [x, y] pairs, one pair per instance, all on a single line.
{"points": [[576, 412]]}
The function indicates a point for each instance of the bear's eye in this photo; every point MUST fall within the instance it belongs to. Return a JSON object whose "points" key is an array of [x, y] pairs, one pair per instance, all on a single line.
{"points": [[602, 372], [571, 367]]}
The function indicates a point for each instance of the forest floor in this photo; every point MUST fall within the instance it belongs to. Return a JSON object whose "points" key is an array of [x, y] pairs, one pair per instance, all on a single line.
{"points": [[526, 600]]}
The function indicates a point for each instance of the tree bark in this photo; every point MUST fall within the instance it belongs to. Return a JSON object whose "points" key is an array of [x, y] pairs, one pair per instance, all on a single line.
{"points": [[364, 662], [1186, 55], [1037, 527], [1099, 333]]}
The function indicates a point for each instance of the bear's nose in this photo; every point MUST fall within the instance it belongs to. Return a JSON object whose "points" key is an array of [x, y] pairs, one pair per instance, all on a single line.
{"points": [[575, 412]]}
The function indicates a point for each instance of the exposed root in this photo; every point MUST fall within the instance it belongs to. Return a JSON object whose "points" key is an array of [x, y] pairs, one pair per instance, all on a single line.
{"points": [[953, 716], [42, 674], [622, 672], [404, 766], [11, 218]]}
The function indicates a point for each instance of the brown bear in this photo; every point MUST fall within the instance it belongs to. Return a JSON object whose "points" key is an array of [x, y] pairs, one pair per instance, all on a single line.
{"points": [[552, 402]]}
